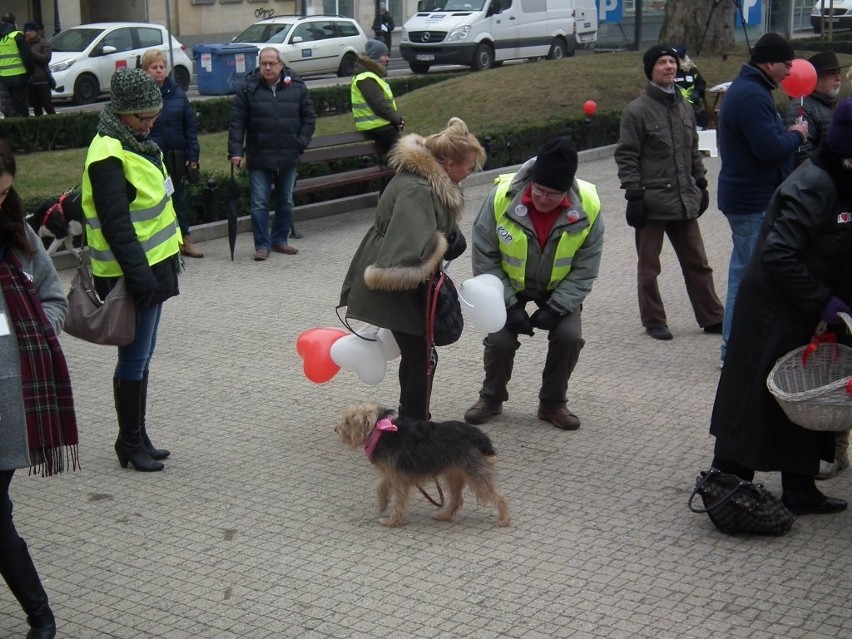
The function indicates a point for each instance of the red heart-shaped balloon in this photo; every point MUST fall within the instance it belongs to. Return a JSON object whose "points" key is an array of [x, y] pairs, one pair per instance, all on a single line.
{"points": [[314, 346]]}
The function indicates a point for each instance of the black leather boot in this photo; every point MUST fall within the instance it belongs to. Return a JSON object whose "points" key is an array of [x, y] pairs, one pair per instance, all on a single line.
{"points": [[155, 453], [129, 446], [18, 570]]}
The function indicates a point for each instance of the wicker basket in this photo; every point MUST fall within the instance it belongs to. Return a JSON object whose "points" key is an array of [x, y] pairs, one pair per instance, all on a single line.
{"points": [[815, 396]]}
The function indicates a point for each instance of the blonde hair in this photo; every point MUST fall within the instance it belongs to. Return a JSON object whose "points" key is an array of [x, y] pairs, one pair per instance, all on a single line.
{"points": [[455, 143], [151, 56]]}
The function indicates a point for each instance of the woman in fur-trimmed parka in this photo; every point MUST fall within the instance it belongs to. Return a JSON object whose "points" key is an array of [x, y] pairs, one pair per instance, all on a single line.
{"points": [[416, 227]]}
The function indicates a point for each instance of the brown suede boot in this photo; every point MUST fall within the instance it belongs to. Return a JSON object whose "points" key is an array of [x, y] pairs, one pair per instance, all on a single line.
{"points": [[189, 249]]}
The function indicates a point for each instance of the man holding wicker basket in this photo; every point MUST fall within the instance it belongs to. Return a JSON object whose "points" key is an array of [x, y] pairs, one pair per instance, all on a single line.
{"points": [[800, 275]]}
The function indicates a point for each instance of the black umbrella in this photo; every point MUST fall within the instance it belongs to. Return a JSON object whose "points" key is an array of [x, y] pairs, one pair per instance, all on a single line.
{"points": [[231, 211]]}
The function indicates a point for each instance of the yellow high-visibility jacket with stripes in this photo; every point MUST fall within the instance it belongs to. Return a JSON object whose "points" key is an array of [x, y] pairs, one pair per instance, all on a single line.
{"points": [[514, 248], [151, 212], [11, 63], [365, 118]]}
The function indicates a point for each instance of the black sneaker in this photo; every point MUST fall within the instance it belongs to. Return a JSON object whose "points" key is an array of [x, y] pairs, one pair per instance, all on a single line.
{"points": [[659, 332]]}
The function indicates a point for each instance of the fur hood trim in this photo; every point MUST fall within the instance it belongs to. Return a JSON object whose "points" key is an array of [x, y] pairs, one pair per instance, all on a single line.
{"points": [[411, 156], [371, 65], [406, 278]]}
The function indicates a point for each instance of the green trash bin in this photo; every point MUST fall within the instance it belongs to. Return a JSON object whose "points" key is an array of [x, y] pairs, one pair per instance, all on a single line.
{"points": [[221, 68]]}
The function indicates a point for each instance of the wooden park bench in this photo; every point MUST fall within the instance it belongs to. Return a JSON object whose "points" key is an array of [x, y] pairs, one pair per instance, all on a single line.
{"points": [[342, 146]]}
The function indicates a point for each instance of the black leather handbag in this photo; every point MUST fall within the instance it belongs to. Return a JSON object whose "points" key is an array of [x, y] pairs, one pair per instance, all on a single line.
{"points": [[735, 505], [444, 320]]}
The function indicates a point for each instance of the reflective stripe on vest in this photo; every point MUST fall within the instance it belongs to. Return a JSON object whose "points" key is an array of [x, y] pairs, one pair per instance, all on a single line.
{"points": [[151, 213], [11, 63], [365, 119], [513, 239]]}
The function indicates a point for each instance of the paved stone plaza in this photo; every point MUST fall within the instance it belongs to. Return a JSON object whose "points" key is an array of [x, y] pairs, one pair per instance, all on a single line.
{"points": [[262, 526]]}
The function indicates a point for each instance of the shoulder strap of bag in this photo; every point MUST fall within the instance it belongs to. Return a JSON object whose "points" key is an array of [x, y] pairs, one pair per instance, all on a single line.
{"points": [[712, 474]]}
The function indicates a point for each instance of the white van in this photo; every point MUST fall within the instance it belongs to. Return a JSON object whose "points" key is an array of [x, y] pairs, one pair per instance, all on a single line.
{"points": [[483, 33]]}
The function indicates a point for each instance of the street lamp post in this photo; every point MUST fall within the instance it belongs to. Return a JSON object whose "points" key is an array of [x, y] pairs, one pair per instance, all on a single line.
{"points": [[57, 27]]}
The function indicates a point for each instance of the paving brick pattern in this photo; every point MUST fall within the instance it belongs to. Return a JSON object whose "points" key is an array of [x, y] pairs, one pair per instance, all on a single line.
{"points": [[263, 526]]}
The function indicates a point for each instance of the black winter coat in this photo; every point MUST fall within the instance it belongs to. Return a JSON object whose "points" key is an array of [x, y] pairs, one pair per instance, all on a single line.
{"points": [[271, 127], [803, 257], [175, 129]]}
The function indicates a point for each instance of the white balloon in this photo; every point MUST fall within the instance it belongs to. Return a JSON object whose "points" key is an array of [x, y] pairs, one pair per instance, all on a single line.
{"points": [[389, 346], [483, 302], [364, 357]]}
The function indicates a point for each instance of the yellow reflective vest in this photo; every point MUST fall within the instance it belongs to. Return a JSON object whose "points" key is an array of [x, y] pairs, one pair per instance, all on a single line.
{"points": [[513, 239], [365, 119], [151, 212], [11, 64]]}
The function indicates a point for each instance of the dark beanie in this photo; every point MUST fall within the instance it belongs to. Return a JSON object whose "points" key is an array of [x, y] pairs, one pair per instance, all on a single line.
{"points": [[839, 137], [555, 165], [655, 53], [772, 47], [30, 26]]}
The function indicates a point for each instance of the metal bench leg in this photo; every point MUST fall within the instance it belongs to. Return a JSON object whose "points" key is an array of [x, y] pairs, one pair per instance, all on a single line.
{"points": [[294, 233]]}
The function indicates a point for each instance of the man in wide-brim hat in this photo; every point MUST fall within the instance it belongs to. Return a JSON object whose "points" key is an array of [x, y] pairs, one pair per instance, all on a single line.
{"points": [[816, 108]]}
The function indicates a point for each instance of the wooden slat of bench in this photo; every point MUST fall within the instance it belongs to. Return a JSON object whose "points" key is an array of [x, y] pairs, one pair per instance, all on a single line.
{"points": [[323, 154], [336, 139], [310, 185]]}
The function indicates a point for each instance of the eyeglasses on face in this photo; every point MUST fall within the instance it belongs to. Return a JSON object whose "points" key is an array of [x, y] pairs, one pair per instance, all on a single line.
{"points": [[545, 194], [269, 65], [144, 119], [789, 65]]}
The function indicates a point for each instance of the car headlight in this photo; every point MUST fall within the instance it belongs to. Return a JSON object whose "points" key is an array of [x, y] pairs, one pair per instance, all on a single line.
{"points": [[404, 37], [62, 66], [459, 33]]}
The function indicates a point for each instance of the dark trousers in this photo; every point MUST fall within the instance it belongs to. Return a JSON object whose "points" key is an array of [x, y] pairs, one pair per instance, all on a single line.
{"points": [[19, 92], [698, 276], [565, 342], [8, 535], [40, 99], [414, 382], [386, 136]]}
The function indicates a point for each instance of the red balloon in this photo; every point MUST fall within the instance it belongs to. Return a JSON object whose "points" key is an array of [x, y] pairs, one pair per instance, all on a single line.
{"points": [[802, 79], [589, 107], [314, 347]]}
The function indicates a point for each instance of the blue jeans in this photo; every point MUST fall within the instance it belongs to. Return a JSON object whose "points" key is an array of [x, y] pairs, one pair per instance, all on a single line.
{"points": [[134, 359], [260, 189], [745, 229]]}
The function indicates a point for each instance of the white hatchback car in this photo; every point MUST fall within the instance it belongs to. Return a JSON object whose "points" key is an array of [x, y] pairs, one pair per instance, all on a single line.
{"points": [[85, 57], [311, 45]]}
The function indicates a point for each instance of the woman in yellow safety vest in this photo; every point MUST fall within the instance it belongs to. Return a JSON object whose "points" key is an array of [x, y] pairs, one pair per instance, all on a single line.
{"points": [[132, 232]]}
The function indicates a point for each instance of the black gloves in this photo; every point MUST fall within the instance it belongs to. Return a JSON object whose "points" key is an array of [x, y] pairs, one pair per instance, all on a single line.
{"points": [[545, 318], [518, 320], [457, 245], [635, 208], [701, 183]]}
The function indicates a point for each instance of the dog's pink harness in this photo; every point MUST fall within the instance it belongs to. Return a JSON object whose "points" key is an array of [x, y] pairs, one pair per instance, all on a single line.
{"points": [[382, 426]]}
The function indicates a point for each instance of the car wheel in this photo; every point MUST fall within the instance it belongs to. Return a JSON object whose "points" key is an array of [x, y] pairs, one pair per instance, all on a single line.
{"points": [[347, 66], [483, 58], [181, 76], [86, 89], [419, 67], [557, 49]]}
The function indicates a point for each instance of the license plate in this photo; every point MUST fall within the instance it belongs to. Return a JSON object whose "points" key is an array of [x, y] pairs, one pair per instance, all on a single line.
{"points": [[425, 57]]}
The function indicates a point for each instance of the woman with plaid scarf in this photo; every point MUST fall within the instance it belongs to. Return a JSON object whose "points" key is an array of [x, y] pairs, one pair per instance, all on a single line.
{"points": [[38, 429]]}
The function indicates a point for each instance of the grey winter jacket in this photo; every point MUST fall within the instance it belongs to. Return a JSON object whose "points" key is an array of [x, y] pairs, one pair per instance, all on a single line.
{"points": [[817, 113], [570, 292], [658, 153], [14, 451], [271, 126]]}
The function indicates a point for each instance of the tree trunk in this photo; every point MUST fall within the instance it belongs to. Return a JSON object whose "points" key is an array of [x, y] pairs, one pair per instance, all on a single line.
{"points": [[686, 21]]}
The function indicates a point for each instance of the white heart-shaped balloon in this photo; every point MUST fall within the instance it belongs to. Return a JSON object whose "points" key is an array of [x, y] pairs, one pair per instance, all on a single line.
{"points": [[483, 303], [364, 357], [389, 346]]}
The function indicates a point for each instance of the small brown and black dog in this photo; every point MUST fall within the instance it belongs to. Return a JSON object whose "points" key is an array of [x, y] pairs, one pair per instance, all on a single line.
{"points": [[408, 453]]}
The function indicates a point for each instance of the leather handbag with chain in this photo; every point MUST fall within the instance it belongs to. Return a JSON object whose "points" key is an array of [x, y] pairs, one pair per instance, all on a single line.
{"points": [[735, 505], [109, 322]]}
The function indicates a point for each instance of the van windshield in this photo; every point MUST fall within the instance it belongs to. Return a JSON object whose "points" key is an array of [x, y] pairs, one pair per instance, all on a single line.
{"points": [[452, 5]]}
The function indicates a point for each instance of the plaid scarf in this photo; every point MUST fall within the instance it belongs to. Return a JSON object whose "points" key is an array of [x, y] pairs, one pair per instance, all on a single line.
{"points": [[48, 402]]}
